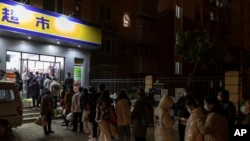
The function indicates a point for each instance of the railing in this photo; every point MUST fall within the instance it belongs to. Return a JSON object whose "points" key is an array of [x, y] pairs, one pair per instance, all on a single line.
{"points": [[116, 85], [200, 86]]}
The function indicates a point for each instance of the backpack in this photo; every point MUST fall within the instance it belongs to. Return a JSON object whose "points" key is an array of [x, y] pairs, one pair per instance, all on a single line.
{"points": [[19, 84]]}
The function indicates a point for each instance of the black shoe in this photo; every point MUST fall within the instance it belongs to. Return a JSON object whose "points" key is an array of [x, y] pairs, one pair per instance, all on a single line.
{"points": [[51, 131], [47, 133]]}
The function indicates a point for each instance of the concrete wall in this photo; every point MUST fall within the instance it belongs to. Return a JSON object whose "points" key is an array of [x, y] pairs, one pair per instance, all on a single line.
{"points": [[7, 44]]}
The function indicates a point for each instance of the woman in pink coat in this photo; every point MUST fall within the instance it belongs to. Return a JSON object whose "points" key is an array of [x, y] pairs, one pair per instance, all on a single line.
{"points": [[163, 121]]}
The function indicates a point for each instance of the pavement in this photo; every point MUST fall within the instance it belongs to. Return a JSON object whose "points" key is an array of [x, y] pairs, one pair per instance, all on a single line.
{"points": [[33, 132]]}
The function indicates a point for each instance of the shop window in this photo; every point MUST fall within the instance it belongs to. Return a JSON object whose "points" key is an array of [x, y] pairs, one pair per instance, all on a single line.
{"points": [[13, 63], [126, 20], [178, 11], [61, 61], [105, 12], [30, 56], [47, 58]]}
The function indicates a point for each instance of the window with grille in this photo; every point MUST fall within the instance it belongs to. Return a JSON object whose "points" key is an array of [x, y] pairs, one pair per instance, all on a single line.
{"points": [[105, 12]]}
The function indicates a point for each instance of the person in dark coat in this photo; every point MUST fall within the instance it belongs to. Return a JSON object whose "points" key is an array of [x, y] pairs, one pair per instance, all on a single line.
{"points": [[93, 97], [34, 92], [140, 116], [69, 81], [47, 111], [182, 113]]}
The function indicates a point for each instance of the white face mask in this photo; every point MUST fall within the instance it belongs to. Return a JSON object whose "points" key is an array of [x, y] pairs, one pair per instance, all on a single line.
{"points": [[219, 98], [243, 109], [189, 110], [185, 94], [206, 108]]}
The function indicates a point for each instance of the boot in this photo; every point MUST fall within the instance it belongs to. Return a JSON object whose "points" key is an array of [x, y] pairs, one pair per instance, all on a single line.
{"points": [[45, 130], [49, 129]]}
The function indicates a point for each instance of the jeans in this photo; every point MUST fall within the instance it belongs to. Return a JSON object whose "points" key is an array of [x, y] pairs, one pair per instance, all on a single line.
{"points": [[77, 118]]}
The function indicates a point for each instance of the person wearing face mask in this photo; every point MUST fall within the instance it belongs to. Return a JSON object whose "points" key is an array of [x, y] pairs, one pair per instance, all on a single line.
{"points": [[192, 133], [246, 118], [182, 113], [163, 121], [228, 107], [214, 125]]}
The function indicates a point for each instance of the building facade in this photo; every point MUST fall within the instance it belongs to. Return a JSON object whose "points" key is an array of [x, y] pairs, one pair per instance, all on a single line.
{"points": [[39, 40], [138, 37]]}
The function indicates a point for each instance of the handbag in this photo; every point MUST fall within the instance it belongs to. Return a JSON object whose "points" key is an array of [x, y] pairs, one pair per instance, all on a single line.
{"points": [[41, 121]]}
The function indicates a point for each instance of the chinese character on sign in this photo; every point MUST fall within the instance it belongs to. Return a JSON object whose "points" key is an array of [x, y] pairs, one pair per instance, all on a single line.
{"points": [[43, 22], [8, 16]]}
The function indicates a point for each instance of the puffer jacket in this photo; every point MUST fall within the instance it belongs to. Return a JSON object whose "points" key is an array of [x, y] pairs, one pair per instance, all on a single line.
{"points": [[163, 121], [192, 132], [123, 112], [214, 127]]}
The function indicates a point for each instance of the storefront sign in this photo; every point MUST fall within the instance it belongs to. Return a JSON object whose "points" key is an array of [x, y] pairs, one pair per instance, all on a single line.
{"points": [[30, 20]]}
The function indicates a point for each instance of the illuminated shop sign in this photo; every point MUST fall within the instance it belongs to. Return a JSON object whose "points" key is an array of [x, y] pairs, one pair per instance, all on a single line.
{"points": [[30, 20]]}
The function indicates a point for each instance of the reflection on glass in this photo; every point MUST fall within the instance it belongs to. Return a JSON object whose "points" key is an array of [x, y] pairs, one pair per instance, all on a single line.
{"points": [[30, 56], [61, 60], [47, 58]]}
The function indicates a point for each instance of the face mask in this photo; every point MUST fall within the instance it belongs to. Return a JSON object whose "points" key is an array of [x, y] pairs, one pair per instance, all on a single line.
{"points": [[219, 98], [189, 110], [185, 94], [243, 109], [206, 108]]}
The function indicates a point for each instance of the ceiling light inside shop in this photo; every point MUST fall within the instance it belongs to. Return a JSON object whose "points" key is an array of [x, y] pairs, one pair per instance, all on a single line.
{"points": [[79, 46], [64, 24], [29, 37], [58, 42]]}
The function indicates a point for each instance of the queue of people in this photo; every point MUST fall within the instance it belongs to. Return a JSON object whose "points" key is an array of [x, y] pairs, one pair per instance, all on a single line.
{"points": [[94, 113]]}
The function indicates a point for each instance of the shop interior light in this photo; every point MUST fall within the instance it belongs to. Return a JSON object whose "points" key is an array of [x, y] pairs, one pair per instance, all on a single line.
{"points": [[58, 42], [29, 37], [79, 46]]}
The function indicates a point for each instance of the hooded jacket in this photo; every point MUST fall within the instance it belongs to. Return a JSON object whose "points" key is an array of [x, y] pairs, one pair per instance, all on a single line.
{"points": [[192, 132], [163, 121]]}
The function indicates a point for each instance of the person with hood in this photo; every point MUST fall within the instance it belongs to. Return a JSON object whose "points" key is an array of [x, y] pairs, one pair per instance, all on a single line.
{"points": [[163, 121], [192, 132], [213, 125], [123, 106], [141, 115]]}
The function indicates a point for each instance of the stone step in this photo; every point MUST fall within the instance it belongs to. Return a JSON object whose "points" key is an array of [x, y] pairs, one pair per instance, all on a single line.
{"points": [[29, 120]]}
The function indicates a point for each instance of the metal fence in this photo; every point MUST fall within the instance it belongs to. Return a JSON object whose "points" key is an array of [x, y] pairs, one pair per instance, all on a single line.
{"points": [[200, 86], [116, 85]]}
